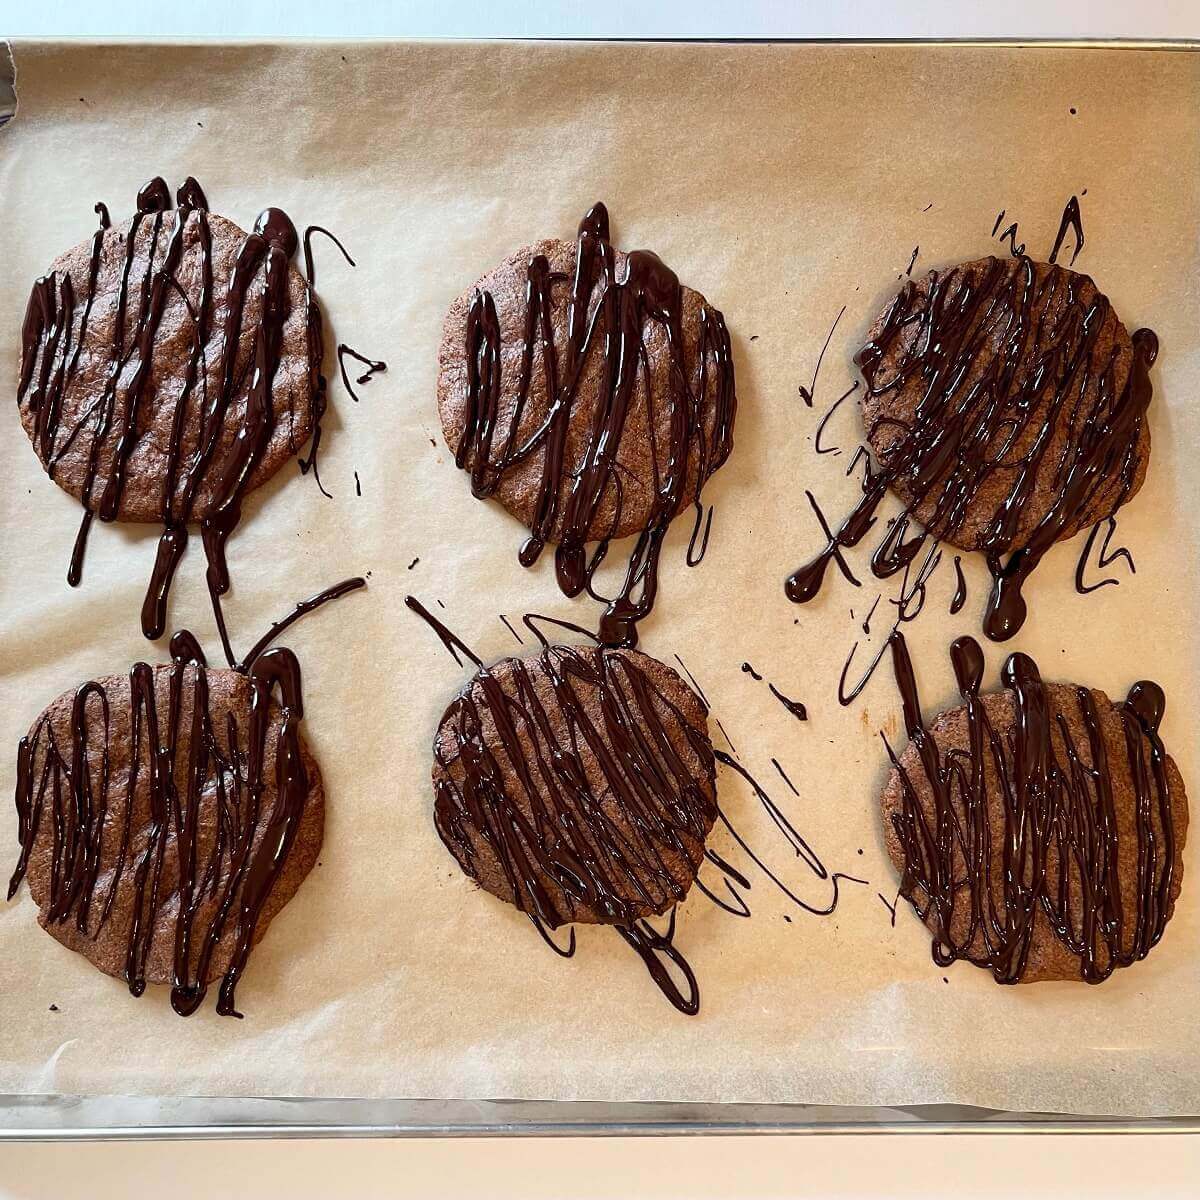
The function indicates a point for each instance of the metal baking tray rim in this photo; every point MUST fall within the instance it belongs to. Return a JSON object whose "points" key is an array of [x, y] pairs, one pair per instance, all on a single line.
{"points": [[54, 1117], [75, 1118]]}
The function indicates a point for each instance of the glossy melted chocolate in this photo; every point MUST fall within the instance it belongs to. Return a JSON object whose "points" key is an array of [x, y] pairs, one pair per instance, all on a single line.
{"points": [[56, 784], [556, 827], [61, 785]]}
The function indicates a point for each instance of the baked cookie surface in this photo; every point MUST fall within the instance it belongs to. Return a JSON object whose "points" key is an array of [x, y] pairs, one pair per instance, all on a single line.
{"points": [[167, 815], [578, 785], [1038, 830]]}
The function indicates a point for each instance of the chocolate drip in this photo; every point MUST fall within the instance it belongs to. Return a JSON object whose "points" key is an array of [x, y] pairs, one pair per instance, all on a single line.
{"points": [[316, 355], [866, 621], [115, 418], [238, 865], [785, 777], [960, 587], [735, 883], [448, 638], [272, 244], [908, 605], [1105, 557], [949, 450], [793, 706], [302, 609], [1072, 220], [692, 680], [650, 291], [1060, 831], [557, 830], [806, 393], [373, 366], [310, 269], [652, 948], [1011, 234], [825, 420], [791, 835]]}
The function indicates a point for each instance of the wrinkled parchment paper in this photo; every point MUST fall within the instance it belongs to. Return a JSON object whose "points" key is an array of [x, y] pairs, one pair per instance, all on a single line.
{"points": [[785, 182]]}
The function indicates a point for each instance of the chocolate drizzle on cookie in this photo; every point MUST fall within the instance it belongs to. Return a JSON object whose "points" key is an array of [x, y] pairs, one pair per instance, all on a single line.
{"points": [[218, 785], [114, 421], [560, 785], [520, 811], [1058, 856], [557, 844], [210, 854], [649, 292], [1048, 375]]}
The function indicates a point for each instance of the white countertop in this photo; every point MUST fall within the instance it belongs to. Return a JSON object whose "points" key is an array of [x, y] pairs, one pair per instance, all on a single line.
{"points": [[897, 1167], [613, 18]]}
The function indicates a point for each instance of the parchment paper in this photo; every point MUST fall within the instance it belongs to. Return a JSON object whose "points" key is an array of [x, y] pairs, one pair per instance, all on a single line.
{"points": [[784, 182]]}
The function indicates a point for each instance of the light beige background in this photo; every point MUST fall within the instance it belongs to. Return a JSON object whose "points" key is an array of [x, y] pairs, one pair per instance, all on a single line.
{"points": [[667, 1169], [784, 182]]}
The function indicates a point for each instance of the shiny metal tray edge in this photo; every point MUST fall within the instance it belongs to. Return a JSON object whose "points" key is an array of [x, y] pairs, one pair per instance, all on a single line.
{"points": [[71, 1118], [54, 1117]]}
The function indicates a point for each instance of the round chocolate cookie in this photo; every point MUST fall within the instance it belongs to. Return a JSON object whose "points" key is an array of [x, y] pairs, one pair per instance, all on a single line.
{"points": [[592, 395], [996, 402], [169, 366], [1007, 407], [578, 785], [120, 401], [166, 816], [1038, 830]]}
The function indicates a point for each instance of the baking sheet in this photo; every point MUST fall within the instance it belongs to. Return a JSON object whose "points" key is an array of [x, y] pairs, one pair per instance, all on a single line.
{"points": [[785, 182]]}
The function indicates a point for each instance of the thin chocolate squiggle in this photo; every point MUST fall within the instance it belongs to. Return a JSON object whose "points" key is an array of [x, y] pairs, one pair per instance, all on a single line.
{"points": [[1060, 859], [374, 367], [1104, 558], [948, 452], [650, 292]]}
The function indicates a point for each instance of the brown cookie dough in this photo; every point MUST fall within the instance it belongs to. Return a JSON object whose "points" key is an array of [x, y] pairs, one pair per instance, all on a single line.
{"points": [[85, 321], [1007, 357], [578, 785], [106, 834], [1097, 749]]}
